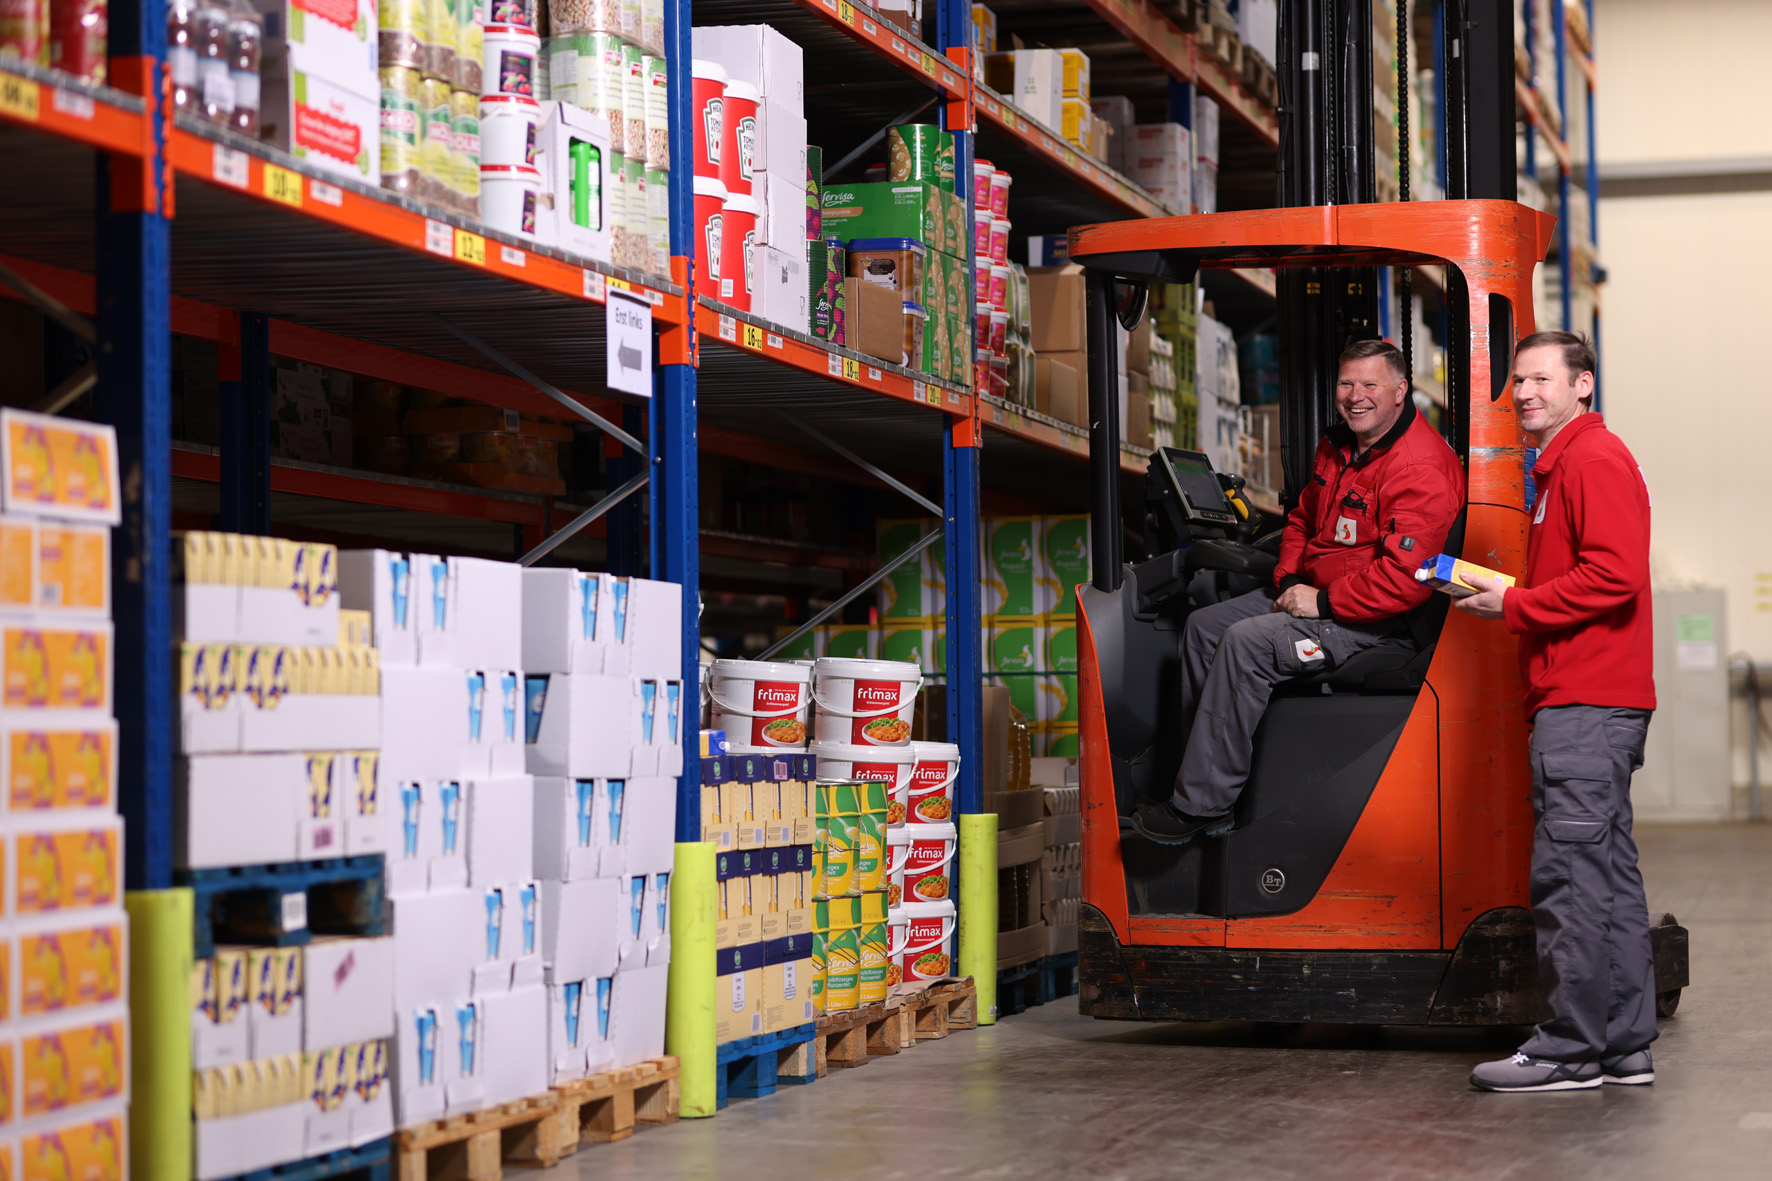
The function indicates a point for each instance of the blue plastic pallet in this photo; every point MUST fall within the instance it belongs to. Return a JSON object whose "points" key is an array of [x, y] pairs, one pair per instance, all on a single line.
{"points": [[343, 896], [1018, 988], [371, 1162], [749, 1068], [1058, 976]]}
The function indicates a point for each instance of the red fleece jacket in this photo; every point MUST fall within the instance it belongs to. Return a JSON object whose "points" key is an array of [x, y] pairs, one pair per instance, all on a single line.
{"points": [[1365, 523], [1584, 615]]}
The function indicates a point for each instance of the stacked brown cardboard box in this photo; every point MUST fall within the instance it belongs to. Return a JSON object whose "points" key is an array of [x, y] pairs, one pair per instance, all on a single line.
{"points": [[1061, 864], [1021, 831]]}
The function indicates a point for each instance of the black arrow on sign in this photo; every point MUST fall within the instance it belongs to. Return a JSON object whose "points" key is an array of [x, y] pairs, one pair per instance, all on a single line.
{"points": [[628, 357]]}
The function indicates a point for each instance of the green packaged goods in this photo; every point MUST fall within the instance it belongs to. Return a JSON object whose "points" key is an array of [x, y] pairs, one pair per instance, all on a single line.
{"points": [[1060, 641], [884, 209], [913, 152], [827, 264], [402, 128], [1065, 544], [1011, 567]]}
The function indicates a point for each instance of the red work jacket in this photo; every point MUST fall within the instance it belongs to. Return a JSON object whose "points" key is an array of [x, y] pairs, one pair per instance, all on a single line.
{"points": [[1366, 522], [1584, 615]]}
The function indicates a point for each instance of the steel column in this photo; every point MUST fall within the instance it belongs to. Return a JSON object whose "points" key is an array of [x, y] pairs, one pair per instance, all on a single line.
{"points": [[674, 489], [246, 430], [1560, 38], [627, 520], [134, 394]]}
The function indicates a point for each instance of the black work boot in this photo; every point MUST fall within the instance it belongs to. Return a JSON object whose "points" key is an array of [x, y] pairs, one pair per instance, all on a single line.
{"points": [[1164, 823]]}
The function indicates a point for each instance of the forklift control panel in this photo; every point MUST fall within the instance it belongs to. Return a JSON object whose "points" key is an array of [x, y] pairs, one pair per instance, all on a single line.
{"points": [[1196, 487]]}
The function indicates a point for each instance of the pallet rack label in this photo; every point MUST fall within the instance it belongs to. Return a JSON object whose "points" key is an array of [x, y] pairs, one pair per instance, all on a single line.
{"points": [[439, 238], [470, 248], [753, 337], [231, 167], [594, 286], [283, 184], [326, 194], [20, 97], [72, 102], [512, 257], [729, 329]]}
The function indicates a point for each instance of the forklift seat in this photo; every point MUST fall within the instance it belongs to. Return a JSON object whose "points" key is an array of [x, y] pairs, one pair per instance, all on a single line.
{"points": [[1388, 669]]}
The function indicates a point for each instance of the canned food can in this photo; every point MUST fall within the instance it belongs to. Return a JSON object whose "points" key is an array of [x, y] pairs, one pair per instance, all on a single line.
{"points": [[912, 153], [944, 160], [439, 49], [602, 82], [434, 163], [632, 130], [586, 16], [658, 121], [470, 45], [464, 147], [403, 28], [402, 128]]}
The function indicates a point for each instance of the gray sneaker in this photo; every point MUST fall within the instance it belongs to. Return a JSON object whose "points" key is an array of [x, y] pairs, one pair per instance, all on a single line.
{"points": [[1632, 1070], [1525, 1073]]}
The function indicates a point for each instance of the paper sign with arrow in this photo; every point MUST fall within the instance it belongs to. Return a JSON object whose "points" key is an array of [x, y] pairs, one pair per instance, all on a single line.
{"points": [[629, 341]]}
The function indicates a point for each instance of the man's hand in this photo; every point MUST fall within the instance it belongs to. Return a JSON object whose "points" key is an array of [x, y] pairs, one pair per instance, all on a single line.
{"points": [[1486, 603], [1299, 601]]}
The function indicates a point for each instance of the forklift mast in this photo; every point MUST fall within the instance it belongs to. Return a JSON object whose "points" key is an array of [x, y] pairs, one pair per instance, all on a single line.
{"points": [[1326, 158]]}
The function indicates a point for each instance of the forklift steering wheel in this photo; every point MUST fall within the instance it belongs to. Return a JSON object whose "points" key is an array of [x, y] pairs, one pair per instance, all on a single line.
{"points": [[1130, 296]]}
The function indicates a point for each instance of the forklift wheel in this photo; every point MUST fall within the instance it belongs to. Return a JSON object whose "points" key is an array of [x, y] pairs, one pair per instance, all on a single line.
{"points": [[1667, 1002]]}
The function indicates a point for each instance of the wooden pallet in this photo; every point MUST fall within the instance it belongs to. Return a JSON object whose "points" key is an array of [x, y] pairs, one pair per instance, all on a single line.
{"points": [[842, 1038], [604, 1107], [474, 1147]]}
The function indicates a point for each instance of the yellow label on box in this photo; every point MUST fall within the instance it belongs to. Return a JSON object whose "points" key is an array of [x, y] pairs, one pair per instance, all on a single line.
{"points": [[72, 1066], [70, 969], [18, 543], [7, 1056], [91, 1151], [74, 567], [56, 668], [60, 466], [5, 983], [209, 674], [66, 870], [49, 769]]}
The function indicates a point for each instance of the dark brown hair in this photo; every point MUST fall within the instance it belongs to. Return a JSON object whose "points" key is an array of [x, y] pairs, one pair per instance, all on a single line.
{"points": [[1359, 350], [1578, 354]]}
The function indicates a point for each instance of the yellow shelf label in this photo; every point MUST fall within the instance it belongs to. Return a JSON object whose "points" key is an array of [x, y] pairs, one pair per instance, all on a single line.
{"points": [[283, 184], [20, 97], [753, 337], [846, 12], [470, 248], [851, 369], [929, 65]]}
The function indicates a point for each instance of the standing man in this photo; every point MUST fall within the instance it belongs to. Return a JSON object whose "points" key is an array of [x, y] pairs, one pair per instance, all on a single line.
{"points": [[1586, 654]]}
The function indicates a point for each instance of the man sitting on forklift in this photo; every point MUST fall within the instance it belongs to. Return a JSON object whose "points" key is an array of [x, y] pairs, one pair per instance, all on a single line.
{"points": [[1384, 492]]}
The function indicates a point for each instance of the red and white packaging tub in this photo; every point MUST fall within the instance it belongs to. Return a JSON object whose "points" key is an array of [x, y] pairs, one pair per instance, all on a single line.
{"points": [[707, 91], [997, 294], [928, 942], [997, 243], [935, 770], [710, 222], [761, 704], [891, 765], [929, 863], [981, 186], [898, 845], [735, 250], [1000, 182], [981, 239], [864, 702], [898, 926], [738, 138], [508, 124]]}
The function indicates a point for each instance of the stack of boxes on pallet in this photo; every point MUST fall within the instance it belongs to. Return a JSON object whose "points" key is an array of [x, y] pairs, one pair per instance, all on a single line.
{"points": [[1002, 353], [751, 177], [319, 96], [278, 734], [64, 1072], [605, 716], [1061, 864], [1051, 86], [530, 718], [1011, 792], [1174, 321]]}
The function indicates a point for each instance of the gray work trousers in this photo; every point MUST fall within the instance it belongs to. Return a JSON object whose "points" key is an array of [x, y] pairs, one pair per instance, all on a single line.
{"points": [[1232, 655], [1594, 963]]}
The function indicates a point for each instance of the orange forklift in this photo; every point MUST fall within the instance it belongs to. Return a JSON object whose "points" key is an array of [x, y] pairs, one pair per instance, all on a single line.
{"points": [[1378, 869]]}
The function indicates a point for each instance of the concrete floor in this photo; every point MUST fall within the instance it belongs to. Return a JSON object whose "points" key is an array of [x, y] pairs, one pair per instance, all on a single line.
{"points": [[1050, 1094]]}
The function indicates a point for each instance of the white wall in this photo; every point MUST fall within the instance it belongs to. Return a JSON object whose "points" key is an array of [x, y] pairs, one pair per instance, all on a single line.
{"points": [[1684, 321]]}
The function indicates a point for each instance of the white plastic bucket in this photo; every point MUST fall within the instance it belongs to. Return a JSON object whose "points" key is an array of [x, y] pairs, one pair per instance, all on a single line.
{"points": [[928, 863], [929, 929], [860, 700], [898, 932], [761, 703], [508, 197], [934, 771], [898, 844], [508, 123], [881, 764], [510, 61]]}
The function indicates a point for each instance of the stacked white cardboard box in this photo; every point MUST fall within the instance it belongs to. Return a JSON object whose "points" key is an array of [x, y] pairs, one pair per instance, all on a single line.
{"points": [[760, 57], [64, 1022], [278, 731], [530, 820]]}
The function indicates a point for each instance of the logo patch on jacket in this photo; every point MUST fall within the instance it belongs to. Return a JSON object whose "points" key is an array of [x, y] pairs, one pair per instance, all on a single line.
{"points": [[1308, 650], [1347, 531], [1538, 517]]}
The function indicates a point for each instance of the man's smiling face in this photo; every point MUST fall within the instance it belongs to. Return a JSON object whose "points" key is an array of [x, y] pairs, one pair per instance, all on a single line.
{"points": [[1369, 397]]}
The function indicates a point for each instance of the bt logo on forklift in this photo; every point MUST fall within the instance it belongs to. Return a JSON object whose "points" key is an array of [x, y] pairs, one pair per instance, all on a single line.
{"points": [[1273, 880]]}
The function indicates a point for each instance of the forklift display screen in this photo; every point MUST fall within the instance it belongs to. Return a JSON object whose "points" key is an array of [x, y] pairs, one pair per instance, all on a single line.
{"points": [[1191, 474]]}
